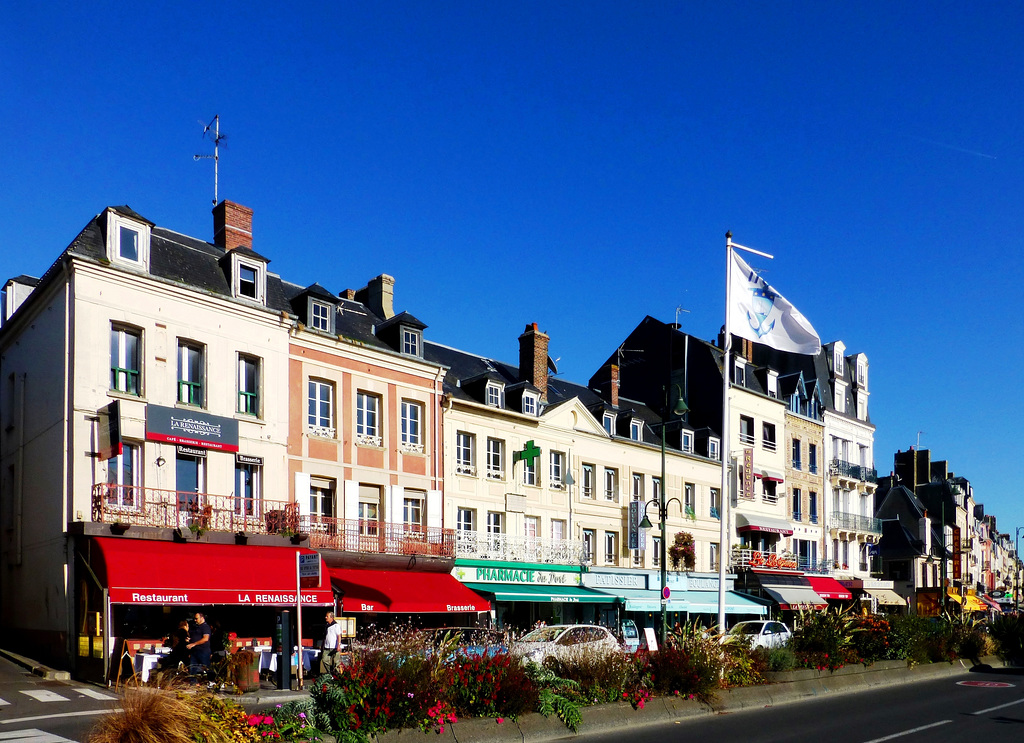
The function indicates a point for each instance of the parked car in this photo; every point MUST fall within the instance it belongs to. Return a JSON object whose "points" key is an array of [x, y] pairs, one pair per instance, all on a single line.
{"points": [[469, 642], [763, 633], [562, 641]]}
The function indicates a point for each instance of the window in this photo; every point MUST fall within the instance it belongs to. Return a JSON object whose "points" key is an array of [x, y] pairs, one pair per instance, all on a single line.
{"points": [[249, 385], [588, 481], [190, 373], [714, 556], [412, 510], [124, 477], [494, 394], [611, 484], [495, 527], [369, 510], [321, 498], [556, 469], [465, 520], [189, 482], [465, 453], [768, 491], [636, 430], [611, 548], [247, 488], [812, 458], [656, 543], [773, 383], [530, 471], [412, 426], [529, 404], [739, 372], [690, 499], [589, 545], [837, 361], [746, 430], [812, 507], [412, 341], [608, 421], [796, 504], [128, 244], [862, 373], [796, 454], [656, 488], [320, 316], [558, 529], [367, 419], [687, 441], [768, 436], [531, 527], [716, 503], [713, 448], [496, 459], [127, 240], [125, 370], [638, 487], [320, 409]]}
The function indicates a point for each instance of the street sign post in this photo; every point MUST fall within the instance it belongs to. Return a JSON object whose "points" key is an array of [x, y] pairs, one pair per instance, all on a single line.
{"points": [[307, 575]]}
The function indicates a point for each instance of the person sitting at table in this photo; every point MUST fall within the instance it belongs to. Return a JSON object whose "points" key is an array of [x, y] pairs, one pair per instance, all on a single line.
{"points": [[177, 641], [199, 645]]}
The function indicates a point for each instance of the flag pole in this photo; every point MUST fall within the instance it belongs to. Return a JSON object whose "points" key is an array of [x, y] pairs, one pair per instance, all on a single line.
{"points": [[724, 496]]}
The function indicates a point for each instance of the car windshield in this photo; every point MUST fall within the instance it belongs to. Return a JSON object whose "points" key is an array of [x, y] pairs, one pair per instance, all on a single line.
{"points": [[746, 628], [543, 634]]}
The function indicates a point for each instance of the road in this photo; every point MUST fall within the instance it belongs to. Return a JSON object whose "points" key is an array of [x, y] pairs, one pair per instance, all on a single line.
{"points": [[940, 711], [33, 710]]}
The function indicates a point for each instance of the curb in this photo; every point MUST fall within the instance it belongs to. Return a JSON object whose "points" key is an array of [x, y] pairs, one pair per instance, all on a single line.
{"points": [[50, 674]]}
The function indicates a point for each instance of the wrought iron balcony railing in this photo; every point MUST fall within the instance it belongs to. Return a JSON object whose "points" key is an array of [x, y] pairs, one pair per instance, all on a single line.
{"points": [[137, 506], [853, 471], [472, 544], [855, 522]]}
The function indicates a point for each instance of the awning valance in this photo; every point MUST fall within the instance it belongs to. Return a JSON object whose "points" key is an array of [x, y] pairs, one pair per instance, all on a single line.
{"points": [[404, 592], [756, 522], [542, 594], [828, 587], [795, 597], [706, 602], [767, 474], [143, 571], [886, 596]]}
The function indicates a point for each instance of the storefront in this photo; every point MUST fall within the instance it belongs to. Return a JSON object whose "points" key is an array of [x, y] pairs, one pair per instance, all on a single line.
{"points": [[830, 589], [430, 599], [140, 589], [876, 596], [789, 591], [523, 594]]}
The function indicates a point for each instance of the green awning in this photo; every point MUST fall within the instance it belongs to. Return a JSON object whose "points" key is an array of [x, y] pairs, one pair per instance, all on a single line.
{"points": [[638, 599], [542, 594], [706, 602]]}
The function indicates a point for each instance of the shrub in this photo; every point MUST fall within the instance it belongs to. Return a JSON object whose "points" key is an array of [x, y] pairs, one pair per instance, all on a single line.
{"points": [[489, 686], [1008, 634], [602, 677], [871, 637], [777, 659]]}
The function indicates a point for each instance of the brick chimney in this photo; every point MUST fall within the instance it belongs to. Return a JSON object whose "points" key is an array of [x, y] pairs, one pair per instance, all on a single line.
{"points": [[533, 359], [379, 295], [232, 225], [606, 382]]}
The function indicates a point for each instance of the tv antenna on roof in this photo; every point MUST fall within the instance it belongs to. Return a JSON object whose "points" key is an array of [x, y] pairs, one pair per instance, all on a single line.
{"points": [[212, 130]]}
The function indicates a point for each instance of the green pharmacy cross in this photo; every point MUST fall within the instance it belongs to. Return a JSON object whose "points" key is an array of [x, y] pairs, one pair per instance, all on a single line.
{"points": [[529, 454]]}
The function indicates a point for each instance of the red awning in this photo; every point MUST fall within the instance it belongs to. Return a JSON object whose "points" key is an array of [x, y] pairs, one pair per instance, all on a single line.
{"points": [[142, 571], [403, 592], [828, 588]]}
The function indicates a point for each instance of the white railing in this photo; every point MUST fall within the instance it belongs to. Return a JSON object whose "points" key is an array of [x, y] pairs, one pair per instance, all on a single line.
{"points": [[471, 544]]}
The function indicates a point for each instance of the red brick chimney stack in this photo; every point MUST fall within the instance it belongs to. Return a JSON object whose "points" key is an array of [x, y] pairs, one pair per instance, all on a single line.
{"points": [[232, 225], [533, 359]]}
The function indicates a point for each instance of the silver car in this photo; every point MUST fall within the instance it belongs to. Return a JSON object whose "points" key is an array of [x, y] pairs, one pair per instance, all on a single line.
{"points": [[564, 641]]}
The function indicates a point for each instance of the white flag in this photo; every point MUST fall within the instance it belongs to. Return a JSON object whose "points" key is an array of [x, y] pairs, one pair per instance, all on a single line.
{"points": [[760, 314]]}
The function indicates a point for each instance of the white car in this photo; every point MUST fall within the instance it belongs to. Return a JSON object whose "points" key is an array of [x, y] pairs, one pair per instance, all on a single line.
{"points": [[563, 641], [763, 634]]}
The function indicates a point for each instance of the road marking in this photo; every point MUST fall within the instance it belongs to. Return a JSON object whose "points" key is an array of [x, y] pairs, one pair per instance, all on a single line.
{"points": [[33, 718], [993, 709], [34, 736], [909, 732], [985, 684], [3, 702], [42, 695], [96, 694]]}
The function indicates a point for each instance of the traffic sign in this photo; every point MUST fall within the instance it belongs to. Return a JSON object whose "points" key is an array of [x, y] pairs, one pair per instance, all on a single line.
{"points": [[985, 684], [666, 593], [309, 570]]}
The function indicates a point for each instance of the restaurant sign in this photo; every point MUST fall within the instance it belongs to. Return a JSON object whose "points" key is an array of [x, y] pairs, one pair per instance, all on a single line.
{"points": [[759, 559], [207, 596], [191, 428]]}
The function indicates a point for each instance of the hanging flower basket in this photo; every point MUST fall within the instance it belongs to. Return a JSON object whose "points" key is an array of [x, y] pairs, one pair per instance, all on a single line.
{"points": [[683, 552]]}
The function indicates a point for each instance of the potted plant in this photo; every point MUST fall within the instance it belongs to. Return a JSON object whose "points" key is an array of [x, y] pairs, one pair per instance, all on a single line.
{"points": [[683, 551], [244, 669]]}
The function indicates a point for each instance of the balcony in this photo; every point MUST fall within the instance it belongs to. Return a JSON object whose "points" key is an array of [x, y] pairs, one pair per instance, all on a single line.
{"points": [[842, 469], [854, 522], [816, 567], [198, 512], [475, 545]]}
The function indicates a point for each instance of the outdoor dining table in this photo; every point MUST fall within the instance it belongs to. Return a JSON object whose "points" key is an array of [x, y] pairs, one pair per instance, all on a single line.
{"points": [[268, 658], [146, 662]]}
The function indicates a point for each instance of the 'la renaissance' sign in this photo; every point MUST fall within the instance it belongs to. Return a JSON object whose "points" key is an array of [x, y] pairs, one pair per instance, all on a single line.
{"points": [[191, 428]]}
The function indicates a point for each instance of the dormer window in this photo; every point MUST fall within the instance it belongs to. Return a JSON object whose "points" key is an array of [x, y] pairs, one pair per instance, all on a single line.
{"points": [[636, 429], [529, 403], [127, 240], [739, 372], [773, 383], [609, 423], [320, 316], [713, 449], [250, 279], [412, 343], [494, 394], [837, 362], [687, 442]]}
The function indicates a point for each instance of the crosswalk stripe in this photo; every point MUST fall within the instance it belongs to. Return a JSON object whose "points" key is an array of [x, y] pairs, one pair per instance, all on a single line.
{"points": [[42, 695], [3, 702], [96, 694], [33, 736]]}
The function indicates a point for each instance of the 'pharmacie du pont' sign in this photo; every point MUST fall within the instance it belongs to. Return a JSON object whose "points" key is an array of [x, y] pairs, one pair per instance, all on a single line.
{"points": [[525, 576], [191, 428]]}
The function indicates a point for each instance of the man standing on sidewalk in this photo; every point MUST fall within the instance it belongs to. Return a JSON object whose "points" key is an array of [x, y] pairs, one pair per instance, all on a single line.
{"points": [[199, 645], [332, 645]]}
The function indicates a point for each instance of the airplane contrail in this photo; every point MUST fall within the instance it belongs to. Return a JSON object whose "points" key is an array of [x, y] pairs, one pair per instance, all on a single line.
{"points": [[952, 147]]}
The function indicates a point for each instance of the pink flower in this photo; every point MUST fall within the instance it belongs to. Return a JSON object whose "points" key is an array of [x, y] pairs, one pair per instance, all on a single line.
{"points": [[254, 720], [640, 704], [501, 720]]}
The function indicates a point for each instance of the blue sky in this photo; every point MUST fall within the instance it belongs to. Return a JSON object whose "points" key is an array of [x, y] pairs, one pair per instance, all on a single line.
{"points": [[574, 164]]}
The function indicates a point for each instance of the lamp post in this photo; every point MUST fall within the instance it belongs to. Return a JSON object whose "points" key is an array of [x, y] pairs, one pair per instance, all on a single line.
{"points": [[646, 524]]}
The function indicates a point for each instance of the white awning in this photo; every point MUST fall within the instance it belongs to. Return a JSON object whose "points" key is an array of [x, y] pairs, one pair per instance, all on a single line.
{"points": [[886, 596]]}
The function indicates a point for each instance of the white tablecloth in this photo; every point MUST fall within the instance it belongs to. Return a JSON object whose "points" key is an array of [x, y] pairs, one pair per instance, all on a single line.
{"points": [[268, 659], [145, 663]]}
